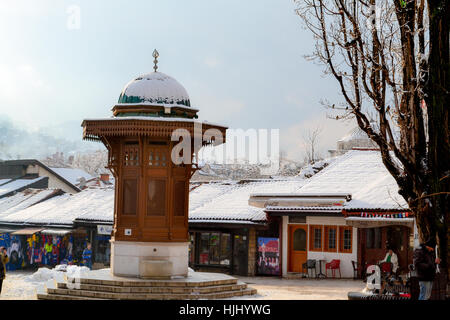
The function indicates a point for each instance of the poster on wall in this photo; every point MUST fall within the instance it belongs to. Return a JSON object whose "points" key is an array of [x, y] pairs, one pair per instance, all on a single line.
{"points": [[268, 256]]}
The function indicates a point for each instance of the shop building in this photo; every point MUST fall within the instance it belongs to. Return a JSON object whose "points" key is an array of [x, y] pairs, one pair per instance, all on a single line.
{"points": [[228, 234], [48, 232], [332, 216]]}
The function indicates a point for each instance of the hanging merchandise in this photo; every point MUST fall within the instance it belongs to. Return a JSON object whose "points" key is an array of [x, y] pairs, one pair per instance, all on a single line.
{"points": [[70, 250]]}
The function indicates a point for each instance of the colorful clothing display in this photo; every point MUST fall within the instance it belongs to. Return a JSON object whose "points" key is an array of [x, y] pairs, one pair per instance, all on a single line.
{"points": [[46, 249]]}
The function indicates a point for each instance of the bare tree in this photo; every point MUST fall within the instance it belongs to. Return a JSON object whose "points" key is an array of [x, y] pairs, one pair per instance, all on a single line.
{"points": [[310, 142], [391, 61]]}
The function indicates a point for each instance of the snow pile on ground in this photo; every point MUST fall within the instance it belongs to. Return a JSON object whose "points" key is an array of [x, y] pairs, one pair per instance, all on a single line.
{"points": [[42, 275], [46, 274]]}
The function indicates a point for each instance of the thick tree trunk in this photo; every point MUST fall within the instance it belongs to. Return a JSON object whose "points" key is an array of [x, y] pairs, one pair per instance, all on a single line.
{"points": [[437, 97]]}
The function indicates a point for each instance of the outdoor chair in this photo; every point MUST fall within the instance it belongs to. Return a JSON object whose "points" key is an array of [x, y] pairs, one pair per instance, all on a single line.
{"points": [[309, 264], [333, 266], [358, 270], [386, 269]]}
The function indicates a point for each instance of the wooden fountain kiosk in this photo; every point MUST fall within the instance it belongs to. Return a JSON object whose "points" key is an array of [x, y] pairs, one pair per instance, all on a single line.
{"points": [[150, 237], [149, 244]]}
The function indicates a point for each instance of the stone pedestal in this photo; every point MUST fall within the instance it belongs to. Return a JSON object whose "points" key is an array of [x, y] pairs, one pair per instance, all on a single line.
{"points": [[133, 259]]}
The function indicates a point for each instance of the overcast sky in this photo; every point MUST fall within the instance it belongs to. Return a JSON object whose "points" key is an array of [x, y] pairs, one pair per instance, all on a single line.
{"points": [[240, 61]]}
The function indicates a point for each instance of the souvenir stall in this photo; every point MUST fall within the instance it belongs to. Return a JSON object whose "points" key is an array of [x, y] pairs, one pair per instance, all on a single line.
{"points": [[14, 245], [80, 238], [48, 249]]}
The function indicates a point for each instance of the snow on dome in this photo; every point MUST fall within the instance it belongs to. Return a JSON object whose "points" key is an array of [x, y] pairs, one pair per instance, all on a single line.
{"points": [[355, 134], [157, 88]]}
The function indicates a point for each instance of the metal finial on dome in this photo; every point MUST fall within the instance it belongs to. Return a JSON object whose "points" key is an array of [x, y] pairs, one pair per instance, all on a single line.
{"points": [[155, 55]]}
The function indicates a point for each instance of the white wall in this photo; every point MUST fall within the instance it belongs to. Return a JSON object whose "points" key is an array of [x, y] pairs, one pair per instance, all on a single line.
{"points": [[346, 258], [53, 181]]}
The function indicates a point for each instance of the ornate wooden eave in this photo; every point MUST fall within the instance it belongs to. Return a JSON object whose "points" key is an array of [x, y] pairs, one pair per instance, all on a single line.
{"points": [[177, 110], [94, 130]]}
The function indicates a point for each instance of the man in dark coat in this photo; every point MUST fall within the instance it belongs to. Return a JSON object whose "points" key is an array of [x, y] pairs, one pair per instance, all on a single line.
{"points": [[425, 265]]}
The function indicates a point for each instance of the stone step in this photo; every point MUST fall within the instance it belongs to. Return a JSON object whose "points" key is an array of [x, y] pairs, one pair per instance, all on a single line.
{"points": [[70, 294], [152, 283], [178, 290], [47, 296]]}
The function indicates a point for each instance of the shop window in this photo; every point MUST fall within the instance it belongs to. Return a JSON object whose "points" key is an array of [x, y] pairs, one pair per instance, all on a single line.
{"points": [[156, 198], [345, 239], [204, 248], [129, 196], [179, 198], [300, 240], [315, 240], [214, 248], [102, 249], [330, 238], [225, 249], [214, 252]]}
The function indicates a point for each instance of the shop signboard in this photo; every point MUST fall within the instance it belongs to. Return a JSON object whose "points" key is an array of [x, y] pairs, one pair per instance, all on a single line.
{"points": [[268, 256], [104, 229]]}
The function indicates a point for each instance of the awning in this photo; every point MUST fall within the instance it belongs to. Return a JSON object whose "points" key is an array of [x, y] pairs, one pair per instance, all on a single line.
{"points": [[360, 222], [7, 230], [56, 232], [26, 232]]}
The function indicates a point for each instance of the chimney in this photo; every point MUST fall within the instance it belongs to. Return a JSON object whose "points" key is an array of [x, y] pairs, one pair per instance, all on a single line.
{"points": [[104, 177]]}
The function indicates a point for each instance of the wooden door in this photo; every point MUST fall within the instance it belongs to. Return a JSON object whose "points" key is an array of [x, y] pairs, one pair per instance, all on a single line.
{"points": [[297, 247]]}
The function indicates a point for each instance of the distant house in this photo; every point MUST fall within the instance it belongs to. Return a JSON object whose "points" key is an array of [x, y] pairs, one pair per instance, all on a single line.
{"points": [[355, 138], [18, 175]]}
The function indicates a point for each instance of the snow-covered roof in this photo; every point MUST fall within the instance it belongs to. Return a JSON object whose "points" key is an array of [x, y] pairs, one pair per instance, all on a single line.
{"points": [[17, 184], [72, 175], [64, 209], [23, 199], [3, 181], [363, 175], [156, 88], [217, 201]]}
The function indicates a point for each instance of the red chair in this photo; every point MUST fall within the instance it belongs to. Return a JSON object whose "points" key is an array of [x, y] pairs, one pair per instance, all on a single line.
{"points": [[386, 269], [333, 266]]}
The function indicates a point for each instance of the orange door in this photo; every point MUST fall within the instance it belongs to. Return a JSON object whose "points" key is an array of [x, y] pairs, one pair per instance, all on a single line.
{"points": [[297, 247]]}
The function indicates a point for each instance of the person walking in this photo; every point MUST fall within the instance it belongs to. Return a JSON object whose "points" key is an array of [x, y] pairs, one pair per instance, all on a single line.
{"points": [[3, 261], [425, 264], [87, 256]]}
